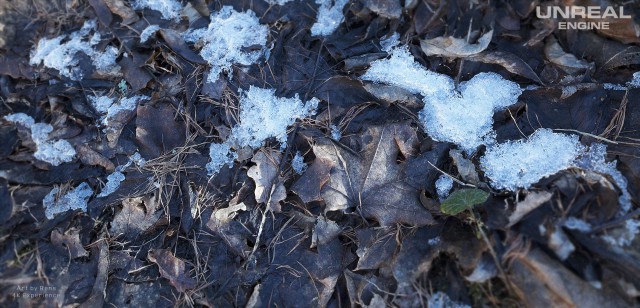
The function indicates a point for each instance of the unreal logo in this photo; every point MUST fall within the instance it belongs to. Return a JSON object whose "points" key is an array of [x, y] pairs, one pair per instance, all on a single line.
{"points": [[583, 12]]}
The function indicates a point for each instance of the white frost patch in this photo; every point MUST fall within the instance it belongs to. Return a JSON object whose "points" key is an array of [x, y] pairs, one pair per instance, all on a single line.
{"points": [[442, 300], [443, 186], [521, 163], [635, 81], [466, 118], [329, 17], [148, 32], [232, 38], [170, 9], [115, 179], [75, 199], [298, 164], [613, 86], [279, 2], [389, 43], [402, 70], [264, 115], [59, 53], [221, 154], [573, 223], [109, 108], [335, 132], [54, 152]]}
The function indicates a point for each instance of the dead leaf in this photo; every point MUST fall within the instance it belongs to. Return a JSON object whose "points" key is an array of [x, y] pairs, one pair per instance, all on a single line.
{"points": [[544, 282], [325, 230], [391, 94], [172, 268], [308, 187], [69, 242], [372, 181], [385, 8], [134, 73], [92, 158], [530, 203], [466, 168], [119, 8], [159, 137], [509, 61], [375, 248], [116, 123], [136, 216], [269, 184], [98, 292], [452, 47], [226, 214], [177, 44], [566, 61]]}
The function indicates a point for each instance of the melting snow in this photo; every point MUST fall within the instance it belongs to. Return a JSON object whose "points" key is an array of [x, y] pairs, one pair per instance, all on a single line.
{"points": [[221, 154], [114, 179], [74, 199], [232, 38], [264, 115], [329, 17], [50, 151], [443, 186], [335, 133], [109, 108], [170, 9], [148, 32], [465, 117], [53, 53], [521, 163], [442, 300], [298, 164]]}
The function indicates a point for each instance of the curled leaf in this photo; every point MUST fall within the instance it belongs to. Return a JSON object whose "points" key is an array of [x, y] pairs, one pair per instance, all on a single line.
{"points": [[455, 47]]}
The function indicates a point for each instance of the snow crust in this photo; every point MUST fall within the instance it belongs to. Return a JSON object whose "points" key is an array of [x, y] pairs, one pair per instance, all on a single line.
{"points": [[54, 152], [443, 186], [59, 53], [298, 164], [329, 17], [170, 9], [109, 108], [463, 116], [74, 199], [148, 32], [232, 38]]}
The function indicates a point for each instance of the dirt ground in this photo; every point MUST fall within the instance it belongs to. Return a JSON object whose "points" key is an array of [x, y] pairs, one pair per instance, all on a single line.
{"points": [[343, 209]]}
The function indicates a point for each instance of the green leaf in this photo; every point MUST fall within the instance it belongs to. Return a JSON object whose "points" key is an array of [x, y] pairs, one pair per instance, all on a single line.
{"points": [[463, 199]]}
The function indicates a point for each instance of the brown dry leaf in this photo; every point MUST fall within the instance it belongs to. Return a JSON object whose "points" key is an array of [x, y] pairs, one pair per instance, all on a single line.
{"points": [[158, 137], [509, 61], [269, 184], [452, 47], [465, 167], [373, 181], [566, 61], [119, 8], [69, 242], [543, 282], [530, 203], [92, 158], [172, 268], [136, 216]]}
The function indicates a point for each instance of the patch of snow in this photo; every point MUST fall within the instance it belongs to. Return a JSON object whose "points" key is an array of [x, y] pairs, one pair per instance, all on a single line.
{"points": [[402, 70], [109, 108], [279, 2], [519, 164], [613, 86], [623, 236], [113, 182], [442, 300], [329, 17], [264, 115], [193, 35], [573, 223], [335, 133], [170, 9], [221, 154], [466, 118], [560, 244], [434, 241], [298, 164], [443, 186], [635, 82], [148, 32], [389, 43], [61, 56], [532, 87], [594, 158], [232, 38], [54, 152], [74, 199]]}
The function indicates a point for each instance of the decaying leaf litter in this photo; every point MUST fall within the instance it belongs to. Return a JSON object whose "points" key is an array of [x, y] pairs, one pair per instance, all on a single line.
{"points": [[332, 153]]}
